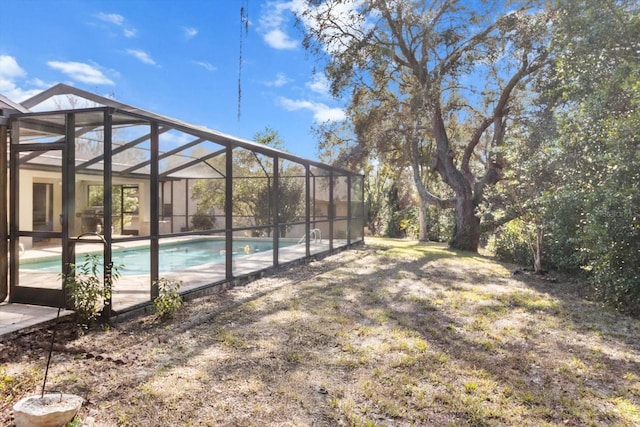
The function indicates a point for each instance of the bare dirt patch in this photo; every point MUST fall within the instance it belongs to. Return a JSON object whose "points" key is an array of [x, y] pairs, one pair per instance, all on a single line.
{"points": [[393, 334]]}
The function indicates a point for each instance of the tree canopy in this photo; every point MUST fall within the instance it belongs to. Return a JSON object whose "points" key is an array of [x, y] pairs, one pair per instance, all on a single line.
{"points": [[433, 86]]}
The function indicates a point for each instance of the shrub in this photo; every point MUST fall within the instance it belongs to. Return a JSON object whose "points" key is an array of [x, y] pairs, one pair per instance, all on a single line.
{"points": [[202, 221], [168, 300], [404, 223], [86, 290], [511, 243], [612, 243], [440, 224]]}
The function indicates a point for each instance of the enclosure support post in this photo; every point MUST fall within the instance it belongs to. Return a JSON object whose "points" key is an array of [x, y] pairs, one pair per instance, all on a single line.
{"points": [[154, 211], [108, 205], [307, 211], [68, 201], [276, 210], [14, 200], [228, 213], [332, 210], [348, 210], [4, 235], [186, 205]]}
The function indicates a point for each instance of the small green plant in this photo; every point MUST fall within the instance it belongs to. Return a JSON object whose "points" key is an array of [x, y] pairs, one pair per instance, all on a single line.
{"points": [[169, 299], [470, 386], [75, 422], [88, 289], [13, 386]]}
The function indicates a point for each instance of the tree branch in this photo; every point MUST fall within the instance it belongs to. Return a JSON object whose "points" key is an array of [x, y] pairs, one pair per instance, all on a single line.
{"points": [[493, 171], [422, 189]]}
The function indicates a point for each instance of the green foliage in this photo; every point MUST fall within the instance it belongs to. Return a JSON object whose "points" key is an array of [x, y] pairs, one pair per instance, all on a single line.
{"points": [[393, 207], [290, 193], [402, 210], [87, 290], [445, 106], [512, 243], [168, 301], [577, 157], [202, 221], [594, 214], [124, 199], [13, 386], [253, 190], [75, 422], [404, 223], [440, 224], [378, 182], [564, 234]]}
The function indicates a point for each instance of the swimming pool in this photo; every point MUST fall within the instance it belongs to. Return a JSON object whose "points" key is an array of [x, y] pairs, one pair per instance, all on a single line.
{"points": [[172, 257]]}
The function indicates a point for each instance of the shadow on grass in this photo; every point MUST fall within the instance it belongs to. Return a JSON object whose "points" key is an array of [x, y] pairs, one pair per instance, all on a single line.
{"points": [[392, 334], [555, 362]]}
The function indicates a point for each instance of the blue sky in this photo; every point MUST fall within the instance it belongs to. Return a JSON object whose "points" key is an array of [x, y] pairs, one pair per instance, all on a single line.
{"points": [[179, 58]]}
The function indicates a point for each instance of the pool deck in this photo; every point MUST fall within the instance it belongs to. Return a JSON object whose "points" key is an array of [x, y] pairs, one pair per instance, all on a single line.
{"points": [[22, 317], [18, 318]]}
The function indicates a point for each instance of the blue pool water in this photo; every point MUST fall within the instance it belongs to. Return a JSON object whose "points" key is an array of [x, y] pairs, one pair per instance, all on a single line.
{"points": [[172, 257]]}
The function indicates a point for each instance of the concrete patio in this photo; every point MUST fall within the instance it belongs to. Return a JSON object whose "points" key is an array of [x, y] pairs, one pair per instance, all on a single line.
{"points": [[22, 317]]}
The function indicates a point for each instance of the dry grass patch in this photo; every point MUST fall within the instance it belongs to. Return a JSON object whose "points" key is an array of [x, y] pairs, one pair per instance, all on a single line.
{"points": [[393, 334]]}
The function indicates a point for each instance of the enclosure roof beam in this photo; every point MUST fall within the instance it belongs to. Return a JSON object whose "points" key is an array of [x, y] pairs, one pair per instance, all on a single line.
{"points": [[35, 123], [200, 131], [195, 162], [120, 149], [167, 154]]}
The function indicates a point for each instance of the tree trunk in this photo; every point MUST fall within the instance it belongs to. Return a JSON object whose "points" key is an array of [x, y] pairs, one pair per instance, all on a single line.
{"points": [[422, 234], [537, 256], [425, 197], [467, 233], [466, 236]]}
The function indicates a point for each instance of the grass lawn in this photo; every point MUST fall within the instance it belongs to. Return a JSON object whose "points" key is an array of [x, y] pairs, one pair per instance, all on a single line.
{"points": [[395, 333]]}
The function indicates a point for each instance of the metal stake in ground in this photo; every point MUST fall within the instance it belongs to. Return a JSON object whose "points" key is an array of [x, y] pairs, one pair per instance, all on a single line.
{"points": [[53, 338]]}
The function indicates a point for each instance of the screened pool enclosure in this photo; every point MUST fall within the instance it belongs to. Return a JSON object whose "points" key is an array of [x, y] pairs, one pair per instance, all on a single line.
{"points": [[157, 198]]}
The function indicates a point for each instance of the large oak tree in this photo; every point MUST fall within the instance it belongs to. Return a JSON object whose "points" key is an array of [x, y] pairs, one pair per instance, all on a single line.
{"points": [[431, 85]]}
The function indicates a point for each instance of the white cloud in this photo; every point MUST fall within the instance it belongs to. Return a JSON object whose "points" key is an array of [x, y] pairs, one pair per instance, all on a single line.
{"points": [[280, 80], [278, 39], [319, 84], [39, 83], [119, 21], [15, 93], [190, 32], [9, 67], [142, 56], [272, 25], [113, 18], [10, 73], [207, 66], [81, 72], [321, 112]]}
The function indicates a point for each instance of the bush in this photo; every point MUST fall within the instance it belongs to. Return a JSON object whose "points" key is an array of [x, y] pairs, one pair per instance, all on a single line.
{"points": [[169, 300], [612, 243], [202, 221], [511, 243], [86, 289], [405, 223], [440, 224]]}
